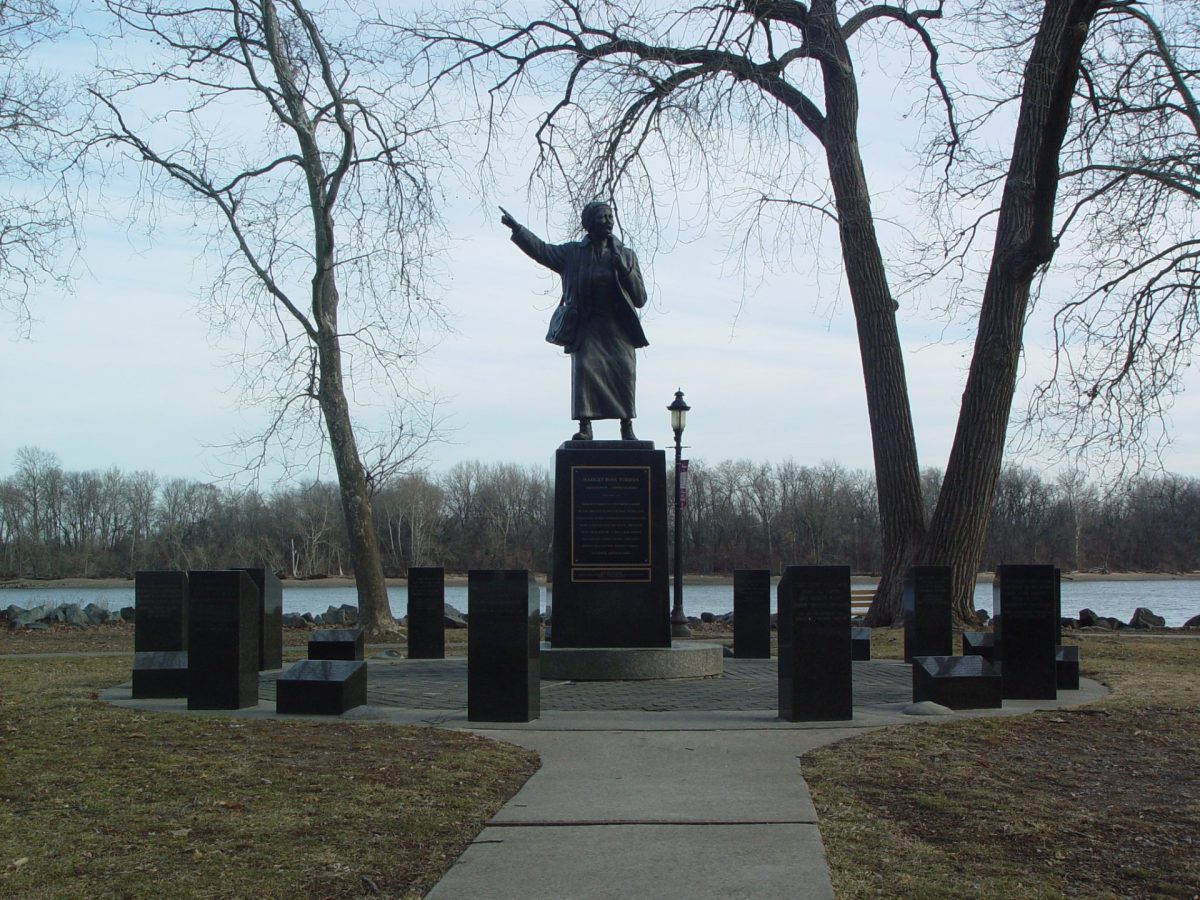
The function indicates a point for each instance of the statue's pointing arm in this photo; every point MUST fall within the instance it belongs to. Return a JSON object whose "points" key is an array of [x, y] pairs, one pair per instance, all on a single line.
{"points": [[552, 256]]}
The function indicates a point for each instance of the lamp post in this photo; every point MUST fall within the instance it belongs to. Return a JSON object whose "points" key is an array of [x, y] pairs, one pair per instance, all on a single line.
{"points": [[679, 410]]}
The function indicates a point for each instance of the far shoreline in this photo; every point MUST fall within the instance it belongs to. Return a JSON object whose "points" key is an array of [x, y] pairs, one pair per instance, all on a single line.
{"points": [[343, 581]]}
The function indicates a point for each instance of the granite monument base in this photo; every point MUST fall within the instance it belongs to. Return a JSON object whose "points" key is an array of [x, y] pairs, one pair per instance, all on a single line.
{"points": [[683, 659], [160, 673], [322, 687], [610, 545], [956, 682]]}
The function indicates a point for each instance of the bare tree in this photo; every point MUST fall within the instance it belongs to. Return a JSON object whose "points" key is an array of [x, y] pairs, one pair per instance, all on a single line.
{"points": [[636, 93], [37, 222], [289, 135]]}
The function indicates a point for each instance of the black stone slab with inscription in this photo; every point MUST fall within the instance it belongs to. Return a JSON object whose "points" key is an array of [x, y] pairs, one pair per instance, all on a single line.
{"points": [[270, 619], [815, 674], [336, 643], [160, 673], [1026, 630], [610, 545], [928, 616], [860, 643], [322, 687], [160, 600], [503, 646], [957, 682], [979, 643], [1066, 667], [752, 613], [426, 612], [223, 639]]}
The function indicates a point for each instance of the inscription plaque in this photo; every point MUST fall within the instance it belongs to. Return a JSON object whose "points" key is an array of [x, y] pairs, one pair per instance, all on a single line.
{"points": [[610, 517]]}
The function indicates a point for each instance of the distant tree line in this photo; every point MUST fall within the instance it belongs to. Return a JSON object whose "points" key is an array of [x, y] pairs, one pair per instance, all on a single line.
{"points": [[740, 514]]}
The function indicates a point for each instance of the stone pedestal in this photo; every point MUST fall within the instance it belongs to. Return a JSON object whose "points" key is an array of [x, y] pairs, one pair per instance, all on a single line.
{"points": [[928, 614], [426, 612], [1026, 630], [270, 618], [322, 687], [223, 639], [503, 644], [752, 613], [815, 675], [956, 682], [610, 546], [336, 643]]}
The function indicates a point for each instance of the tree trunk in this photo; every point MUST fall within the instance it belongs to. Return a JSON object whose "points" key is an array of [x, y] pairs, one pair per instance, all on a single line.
{"points": [[374, 612], [897, 476], [1024, 243]]}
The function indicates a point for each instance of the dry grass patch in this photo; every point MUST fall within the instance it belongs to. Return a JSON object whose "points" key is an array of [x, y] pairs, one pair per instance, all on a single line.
{"points": [[1098, 801], [105, 802]]}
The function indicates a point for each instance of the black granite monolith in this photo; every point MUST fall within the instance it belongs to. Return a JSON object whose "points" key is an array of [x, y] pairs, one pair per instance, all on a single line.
{"points": [[752, 613], [503, 646], [1066, 667], [322, 687], [957, 682], [426, 612], [860, 643], [979, 643], [815, 674], [160, 600], [1025, 630], [223, 639], [336, 643], [270, 618], [610, 545], [928, 616]]}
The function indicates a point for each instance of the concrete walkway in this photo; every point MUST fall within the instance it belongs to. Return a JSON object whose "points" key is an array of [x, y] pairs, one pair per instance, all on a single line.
{"points": [[689, 789]]}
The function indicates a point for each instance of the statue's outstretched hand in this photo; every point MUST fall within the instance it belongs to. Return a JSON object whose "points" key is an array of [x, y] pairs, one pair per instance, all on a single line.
{"points": [[506, 218]]}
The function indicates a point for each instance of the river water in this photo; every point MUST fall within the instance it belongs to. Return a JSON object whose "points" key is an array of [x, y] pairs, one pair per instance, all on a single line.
{"points": [[1176, 601]]}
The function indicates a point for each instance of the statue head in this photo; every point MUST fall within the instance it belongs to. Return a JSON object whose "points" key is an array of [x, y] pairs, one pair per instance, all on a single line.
{"points": [[598, 219]]}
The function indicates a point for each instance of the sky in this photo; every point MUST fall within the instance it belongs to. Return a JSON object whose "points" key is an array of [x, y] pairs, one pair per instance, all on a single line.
{"points": [[123, 372]]}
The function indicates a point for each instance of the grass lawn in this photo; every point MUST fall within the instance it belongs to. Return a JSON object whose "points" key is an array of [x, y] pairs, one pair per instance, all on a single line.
{"points": [[1097, 801], [98, 801]]}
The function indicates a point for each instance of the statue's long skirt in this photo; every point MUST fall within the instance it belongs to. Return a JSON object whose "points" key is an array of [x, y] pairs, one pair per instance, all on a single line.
{"points": [[603, 374]]}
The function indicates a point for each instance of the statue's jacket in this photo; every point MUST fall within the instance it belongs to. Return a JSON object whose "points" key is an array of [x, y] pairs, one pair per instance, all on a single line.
{"points": [[570, 261]]}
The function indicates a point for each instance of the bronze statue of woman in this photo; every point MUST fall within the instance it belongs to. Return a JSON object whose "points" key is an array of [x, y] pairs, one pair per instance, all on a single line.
{"points": [[597, 321]]}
